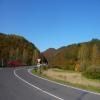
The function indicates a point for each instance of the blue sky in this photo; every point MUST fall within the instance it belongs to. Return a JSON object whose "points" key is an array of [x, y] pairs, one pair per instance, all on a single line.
{"points": [[51, 23]]}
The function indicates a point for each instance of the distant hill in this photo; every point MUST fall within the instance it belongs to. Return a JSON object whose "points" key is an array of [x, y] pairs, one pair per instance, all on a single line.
{"points": [[82, 55], [49, 53], [16, 49]]}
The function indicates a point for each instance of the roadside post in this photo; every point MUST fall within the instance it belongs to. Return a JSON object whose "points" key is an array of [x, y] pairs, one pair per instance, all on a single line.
{"points": [[39, 65], [35, 68]]}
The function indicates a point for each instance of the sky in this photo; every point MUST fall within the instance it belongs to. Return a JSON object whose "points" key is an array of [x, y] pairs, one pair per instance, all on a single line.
{"points": [[51, 23]]}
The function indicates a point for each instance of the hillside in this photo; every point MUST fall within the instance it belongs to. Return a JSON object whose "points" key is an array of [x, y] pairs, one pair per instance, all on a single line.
{"points": [[76, 56], [16, 49], [49, 53]]}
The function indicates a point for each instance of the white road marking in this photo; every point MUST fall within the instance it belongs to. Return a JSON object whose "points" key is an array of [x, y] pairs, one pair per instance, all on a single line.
{"points": [[29, 70], [36, 86]]}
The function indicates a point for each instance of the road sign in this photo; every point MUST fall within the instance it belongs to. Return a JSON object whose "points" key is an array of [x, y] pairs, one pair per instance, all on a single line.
{"points": [[39, 60]]}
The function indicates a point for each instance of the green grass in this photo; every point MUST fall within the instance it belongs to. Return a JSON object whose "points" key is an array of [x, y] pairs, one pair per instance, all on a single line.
{"points": [[62, 70], [89, 88], [36, 73]]}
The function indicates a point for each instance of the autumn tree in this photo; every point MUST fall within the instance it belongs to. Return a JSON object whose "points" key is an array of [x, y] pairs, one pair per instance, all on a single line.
{"points": [[83, 56], [96, 55], [25, 55], [17, 48]]}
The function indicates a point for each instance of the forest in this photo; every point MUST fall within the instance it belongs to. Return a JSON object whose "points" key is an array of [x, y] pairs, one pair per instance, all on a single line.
{"points": [[16, 50], [82, 57]]}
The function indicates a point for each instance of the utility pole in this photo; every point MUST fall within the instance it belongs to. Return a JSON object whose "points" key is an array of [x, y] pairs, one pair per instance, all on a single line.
{"points": [[2, 62]]}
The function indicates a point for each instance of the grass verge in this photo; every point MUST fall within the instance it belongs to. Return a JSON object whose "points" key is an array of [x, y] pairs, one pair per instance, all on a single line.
{"points": [[77, 85]]}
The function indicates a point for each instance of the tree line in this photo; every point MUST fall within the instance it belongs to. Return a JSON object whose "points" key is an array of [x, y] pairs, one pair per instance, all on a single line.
{"points": [[79, 56], [16, 49]]}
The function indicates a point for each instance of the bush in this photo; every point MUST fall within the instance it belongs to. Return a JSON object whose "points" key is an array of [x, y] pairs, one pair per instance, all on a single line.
{"points": [[92, 72], [45, 67], [70, 67]]}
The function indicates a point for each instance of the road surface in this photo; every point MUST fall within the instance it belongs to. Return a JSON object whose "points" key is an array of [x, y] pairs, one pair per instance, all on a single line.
{"points": [[19, 84]]}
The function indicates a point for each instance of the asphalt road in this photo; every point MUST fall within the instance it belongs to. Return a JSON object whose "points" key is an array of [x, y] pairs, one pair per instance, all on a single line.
{"points": [[21, 85]]}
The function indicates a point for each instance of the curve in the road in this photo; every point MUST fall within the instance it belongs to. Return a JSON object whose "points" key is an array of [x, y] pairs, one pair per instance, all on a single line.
{"points": [[35, 86], [29, 71], [54, 89]]}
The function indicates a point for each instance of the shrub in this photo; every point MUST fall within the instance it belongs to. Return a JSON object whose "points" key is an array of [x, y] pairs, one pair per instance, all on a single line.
{"points": [[45, 67], [70, 67], [92, 72], [64, 67]]}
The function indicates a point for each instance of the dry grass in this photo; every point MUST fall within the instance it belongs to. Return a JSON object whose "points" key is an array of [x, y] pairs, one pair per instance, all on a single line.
{"points": [[71, 77]]}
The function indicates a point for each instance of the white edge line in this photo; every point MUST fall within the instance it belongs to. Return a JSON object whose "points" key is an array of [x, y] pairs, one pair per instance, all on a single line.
{"points": [[36, 86], [29, 70]]}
